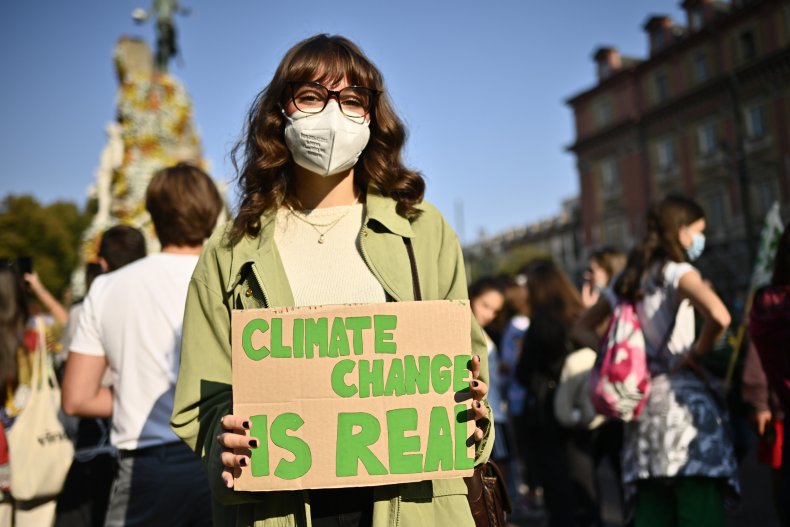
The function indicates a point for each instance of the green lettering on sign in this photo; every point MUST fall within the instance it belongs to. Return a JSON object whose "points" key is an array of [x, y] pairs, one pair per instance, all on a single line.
{"points": [[382, 327], [462, 460], [303, 458], [315, 334], [461, 373], [371, 378], [399, 422], [339, 372], [338, 345], [259, 457], [355, 447], [357, 325], [279, 351], [441, 376], [246, 339], [439, 454], [395, 379], [298, 338], [418, 377]]}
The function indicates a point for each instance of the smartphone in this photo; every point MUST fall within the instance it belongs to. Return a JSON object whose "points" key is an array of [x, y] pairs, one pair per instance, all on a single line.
{"points": [[25, 265]]}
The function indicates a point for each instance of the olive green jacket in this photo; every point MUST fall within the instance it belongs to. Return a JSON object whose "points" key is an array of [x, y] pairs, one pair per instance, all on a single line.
{"points": [[251, 275]]}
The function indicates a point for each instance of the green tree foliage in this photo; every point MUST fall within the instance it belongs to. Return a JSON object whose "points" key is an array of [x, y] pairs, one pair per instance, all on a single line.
{"points": [[49, 234]]}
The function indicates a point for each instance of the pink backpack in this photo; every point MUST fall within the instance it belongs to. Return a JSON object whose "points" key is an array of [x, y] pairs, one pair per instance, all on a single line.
{"points": [[620, 379]]}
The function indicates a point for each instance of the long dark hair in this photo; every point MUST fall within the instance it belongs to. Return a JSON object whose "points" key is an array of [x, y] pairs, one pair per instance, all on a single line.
{"points": [[263, 162], [781, 274], [660, 244], [13, 315], [551, 293]]}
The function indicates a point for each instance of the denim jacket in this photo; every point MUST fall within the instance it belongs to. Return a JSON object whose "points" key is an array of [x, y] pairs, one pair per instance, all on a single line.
{"points": [[250, 274]]}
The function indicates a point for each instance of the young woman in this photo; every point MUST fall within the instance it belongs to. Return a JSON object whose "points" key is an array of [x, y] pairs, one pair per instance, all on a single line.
{"points": [[328, 215], [567, 483], [486, 299], [677, 454], [769, 330]]}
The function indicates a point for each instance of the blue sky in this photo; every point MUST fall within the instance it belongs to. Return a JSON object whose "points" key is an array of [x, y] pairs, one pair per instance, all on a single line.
{"points": [[480, 85]]}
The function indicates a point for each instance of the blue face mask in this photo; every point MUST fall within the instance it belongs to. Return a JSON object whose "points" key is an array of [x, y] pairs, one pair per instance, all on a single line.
{"points": [[697, 246]]}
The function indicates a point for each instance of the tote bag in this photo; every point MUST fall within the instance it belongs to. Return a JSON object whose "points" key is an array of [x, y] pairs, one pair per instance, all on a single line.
{"points": [[40, 452]]}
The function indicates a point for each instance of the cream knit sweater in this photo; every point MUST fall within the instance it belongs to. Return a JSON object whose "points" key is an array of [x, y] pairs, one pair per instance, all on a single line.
{"points": [[332, 272]]}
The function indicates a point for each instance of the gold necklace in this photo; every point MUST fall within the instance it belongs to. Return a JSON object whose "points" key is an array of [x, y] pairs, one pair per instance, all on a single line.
{"points": [[329, 226]]}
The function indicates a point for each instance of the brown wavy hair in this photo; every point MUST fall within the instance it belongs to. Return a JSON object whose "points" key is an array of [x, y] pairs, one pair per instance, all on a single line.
{"points": [[660, 244], [552, 295], [263, 162]]}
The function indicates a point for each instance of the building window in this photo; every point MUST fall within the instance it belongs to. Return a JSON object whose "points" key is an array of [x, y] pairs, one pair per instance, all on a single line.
{"points": [[662, 87], [614, 232], [696, 19], [666, 155], [766, 195], [700, 63], [747, 45], [610, 178], [706, 136], [604, 112], [604, 69], [755, 122], [715, 213], [658, 40]]}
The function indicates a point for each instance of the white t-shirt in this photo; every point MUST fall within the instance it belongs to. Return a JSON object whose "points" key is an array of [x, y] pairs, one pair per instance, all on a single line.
{"points": [[133, 316], [658, 307]]}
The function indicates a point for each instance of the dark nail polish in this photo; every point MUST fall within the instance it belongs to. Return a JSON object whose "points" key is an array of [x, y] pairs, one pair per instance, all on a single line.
{"points": [[475, 384], [477, 403], [243, 462], [245, 425], [478, 358], [253, 443]]}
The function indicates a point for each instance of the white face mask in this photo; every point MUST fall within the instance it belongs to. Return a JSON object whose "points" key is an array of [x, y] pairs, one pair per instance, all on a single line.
{"points": [[328, 142]]}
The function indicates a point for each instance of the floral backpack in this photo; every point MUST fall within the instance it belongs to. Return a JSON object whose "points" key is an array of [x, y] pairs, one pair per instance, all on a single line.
{"points": [[620, 379]]}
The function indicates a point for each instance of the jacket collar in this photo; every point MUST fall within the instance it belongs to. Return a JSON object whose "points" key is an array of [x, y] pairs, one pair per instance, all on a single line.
{"points": [[384, 211], [261, 250]]}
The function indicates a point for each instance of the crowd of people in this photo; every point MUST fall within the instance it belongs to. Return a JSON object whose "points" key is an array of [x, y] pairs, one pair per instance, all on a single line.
{"points": [[329, 214]]}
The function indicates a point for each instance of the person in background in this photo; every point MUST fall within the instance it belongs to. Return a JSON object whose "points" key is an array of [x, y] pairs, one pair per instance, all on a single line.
{"points": [[86, 493], [341, 224], [563, 456], [486, 299], [18, 346], [50, 304], [677, 455], [603, 264], [769, 331], [527, 485], [131, 322]]}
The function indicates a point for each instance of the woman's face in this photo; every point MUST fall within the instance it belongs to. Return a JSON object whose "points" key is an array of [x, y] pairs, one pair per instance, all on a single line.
{"points": [[309, 97], [686, 233], [486, 306], [596, 275]]}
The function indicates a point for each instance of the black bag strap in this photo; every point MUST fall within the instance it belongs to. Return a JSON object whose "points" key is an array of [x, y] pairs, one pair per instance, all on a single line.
{"points": [[415, 278]]}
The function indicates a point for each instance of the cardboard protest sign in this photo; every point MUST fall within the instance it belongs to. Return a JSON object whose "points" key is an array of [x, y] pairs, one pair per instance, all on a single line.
{"points": [[354, 395]]}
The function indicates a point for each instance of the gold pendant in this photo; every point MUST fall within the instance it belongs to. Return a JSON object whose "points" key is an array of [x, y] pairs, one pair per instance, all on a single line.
{"points": [[321, 239]]}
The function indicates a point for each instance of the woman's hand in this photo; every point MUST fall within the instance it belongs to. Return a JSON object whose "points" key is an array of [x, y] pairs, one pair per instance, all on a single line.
{"points": [[762, 420], [478, 389], [235, 446]]}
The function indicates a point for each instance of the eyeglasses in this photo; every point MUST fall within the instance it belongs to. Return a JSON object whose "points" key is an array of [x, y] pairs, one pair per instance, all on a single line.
{"points": [[312, 97]]}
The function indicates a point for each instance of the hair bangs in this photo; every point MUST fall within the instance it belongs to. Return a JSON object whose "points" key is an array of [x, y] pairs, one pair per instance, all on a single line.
{"points": [[330, 61]]}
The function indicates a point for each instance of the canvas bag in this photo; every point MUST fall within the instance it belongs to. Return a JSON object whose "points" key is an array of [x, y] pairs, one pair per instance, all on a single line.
{"points": [[40, 452], [620, 379]]}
